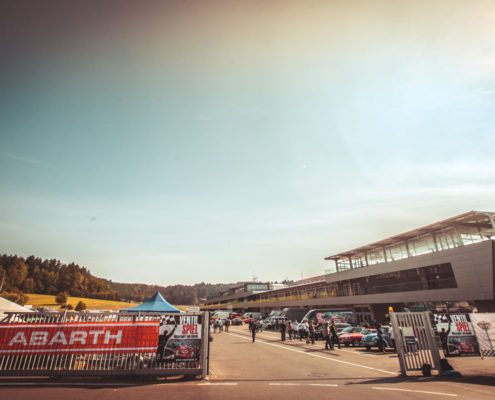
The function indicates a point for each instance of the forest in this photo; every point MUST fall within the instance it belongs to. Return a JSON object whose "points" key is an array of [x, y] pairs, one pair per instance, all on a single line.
{"points": [[20, 275]]}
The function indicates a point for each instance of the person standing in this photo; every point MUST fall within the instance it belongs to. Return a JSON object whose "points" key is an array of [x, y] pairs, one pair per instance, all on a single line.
{"points": [[333, 333], [379, 335], [311, 330], [290, 329], [444, 338], [227, 324], [283, 329], [252, 328], [326, 336]]}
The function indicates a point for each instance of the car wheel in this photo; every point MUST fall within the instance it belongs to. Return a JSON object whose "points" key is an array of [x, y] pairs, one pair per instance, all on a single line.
{"points": [[368, 348]]}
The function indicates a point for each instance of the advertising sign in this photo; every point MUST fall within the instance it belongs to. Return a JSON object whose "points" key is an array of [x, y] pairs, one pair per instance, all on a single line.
{"points": [[408, 335], [461, 338], [179, 338], [484, 326], [78, 338]]}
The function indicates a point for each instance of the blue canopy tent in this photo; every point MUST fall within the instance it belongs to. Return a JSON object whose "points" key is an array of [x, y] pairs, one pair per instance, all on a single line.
{"points": [[154, 304]]}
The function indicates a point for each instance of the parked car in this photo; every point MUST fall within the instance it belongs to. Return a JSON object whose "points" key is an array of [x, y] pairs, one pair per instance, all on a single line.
{"points": [[340, 326], [350, 329], [354, 339], [371, 339], [249, 316], [237, 321]]}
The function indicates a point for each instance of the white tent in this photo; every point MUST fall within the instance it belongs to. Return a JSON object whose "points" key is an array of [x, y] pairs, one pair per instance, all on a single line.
{"points": [[9, 306]]}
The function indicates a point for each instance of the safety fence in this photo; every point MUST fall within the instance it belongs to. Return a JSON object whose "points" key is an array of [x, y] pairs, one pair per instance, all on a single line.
{"points": [[99, 344]]}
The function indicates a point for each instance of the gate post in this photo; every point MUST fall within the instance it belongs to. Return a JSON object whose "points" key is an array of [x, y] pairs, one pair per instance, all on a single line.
{"points": [[430, 337], [205, 348], [399, 343]]}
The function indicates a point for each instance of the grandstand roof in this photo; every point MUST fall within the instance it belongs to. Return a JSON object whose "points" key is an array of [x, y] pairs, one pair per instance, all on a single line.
{"points": [[481, 219]]}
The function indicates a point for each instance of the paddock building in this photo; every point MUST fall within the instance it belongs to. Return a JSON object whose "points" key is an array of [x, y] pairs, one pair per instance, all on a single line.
{"points": [[444, 266]]}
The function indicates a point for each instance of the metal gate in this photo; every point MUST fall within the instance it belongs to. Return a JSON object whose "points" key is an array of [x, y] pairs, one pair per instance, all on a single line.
{"points": [[414, 340], [104, 344]]}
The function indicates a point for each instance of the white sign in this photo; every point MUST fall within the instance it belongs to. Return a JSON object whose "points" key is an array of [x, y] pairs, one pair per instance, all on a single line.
{"points": [[484, 327]]}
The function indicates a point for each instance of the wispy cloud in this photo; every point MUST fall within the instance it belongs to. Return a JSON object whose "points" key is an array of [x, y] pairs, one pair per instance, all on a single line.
{"points": [[30, 161]]}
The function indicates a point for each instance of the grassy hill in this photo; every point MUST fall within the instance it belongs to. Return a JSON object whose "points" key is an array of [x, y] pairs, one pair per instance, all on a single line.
{"points": [[48, 301]]}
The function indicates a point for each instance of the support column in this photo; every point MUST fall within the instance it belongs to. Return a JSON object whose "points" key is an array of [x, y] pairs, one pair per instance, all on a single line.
{"points": [[407, 249]]}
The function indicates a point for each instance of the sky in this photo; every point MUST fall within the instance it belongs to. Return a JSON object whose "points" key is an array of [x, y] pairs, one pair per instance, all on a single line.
{"points": [[217, 141]]}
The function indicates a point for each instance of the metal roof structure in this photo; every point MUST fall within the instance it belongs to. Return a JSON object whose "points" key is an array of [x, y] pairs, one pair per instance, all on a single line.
{"points": [[483, 222]]}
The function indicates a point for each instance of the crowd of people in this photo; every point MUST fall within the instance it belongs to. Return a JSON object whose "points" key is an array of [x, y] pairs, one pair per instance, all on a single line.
{"points": [[300, 331], [290, 330]]}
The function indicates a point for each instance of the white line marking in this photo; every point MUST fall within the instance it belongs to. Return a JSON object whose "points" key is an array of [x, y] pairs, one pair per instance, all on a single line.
{"points": [[284, 384], [415, 391], [318, 356], [324, 384], [218, 384]]}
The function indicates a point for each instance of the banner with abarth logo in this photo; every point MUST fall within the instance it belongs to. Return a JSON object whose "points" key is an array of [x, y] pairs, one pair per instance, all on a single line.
{"points": [[79, 338]]}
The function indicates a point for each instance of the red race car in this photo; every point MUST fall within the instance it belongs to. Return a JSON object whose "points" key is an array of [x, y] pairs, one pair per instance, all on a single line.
{"points": [[355, 338], [185, 351]]}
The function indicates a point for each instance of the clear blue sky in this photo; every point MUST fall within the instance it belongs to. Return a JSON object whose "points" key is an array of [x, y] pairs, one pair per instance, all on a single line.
{"points": [[187, 141]]}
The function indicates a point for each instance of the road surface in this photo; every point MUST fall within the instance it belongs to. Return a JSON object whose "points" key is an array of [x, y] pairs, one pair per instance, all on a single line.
{"points": [[269, 369]]}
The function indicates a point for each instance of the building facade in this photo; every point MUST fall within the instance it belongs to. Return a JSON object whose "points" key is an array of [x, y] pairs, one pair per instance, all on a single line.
{"points": [[449, 264]]}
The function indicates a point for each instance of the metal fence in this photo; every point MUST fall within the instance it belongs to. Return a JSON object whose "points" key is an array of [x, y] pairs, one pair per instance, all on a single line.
{"points": [[415, 341], [63, 344]]}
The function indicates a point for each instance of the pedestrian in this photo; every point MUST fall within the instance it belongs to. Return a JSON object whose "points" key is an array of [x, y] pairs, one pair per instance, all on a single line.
{"points": [[252, 327], [215, 326], [290, 329], [227, 324], [295, 329], [379, 335], [326, 336], [283, 329], [220, 325], [311, 331], [305, 326], [333, 333], [444, 338]]}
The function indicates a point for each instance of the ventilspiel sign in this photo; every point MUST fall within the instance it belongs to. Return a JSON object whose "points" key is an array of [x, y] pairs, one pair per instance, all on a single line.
{"points": [[460, 334], [79, 337], [179, 338]]}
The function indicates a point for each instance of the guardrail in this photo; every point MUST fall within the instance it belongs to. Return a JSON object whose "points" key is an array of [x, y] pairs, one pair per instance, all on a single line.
{"points": [[104, 344]]}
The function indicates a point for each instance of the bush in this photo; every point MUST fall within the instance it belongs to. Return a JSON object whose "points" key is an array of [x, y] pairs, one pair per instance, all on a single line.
{"points": [[16, 297], [62, 298], [80, 306]]}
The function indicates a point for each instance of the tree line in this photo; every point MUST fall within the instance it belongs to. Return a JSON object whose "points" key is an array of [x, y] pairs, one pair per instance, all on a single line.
{"points": [[20, 275]]}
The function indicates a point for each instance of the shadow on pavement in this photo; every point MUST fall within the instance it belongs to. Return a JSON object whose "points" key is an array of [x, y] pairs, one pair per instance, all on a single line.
{"points": [[474, 380], [91, 383]]}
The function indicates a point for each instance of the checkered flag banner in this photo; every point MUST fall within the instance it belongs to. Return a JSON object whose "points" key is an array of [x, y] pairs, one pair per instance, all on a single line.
{"points": [[441, 319]]}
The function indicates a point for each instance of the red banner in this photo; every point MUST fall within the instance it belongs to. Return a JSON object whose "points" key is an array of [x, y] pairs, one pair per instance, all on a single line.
{"points": [[78, 338]]}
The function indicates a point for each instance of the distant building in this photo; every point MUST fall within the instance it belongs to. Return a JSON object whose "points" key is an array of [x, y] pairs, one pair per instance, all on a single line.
{"points": [[445, 265]]}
